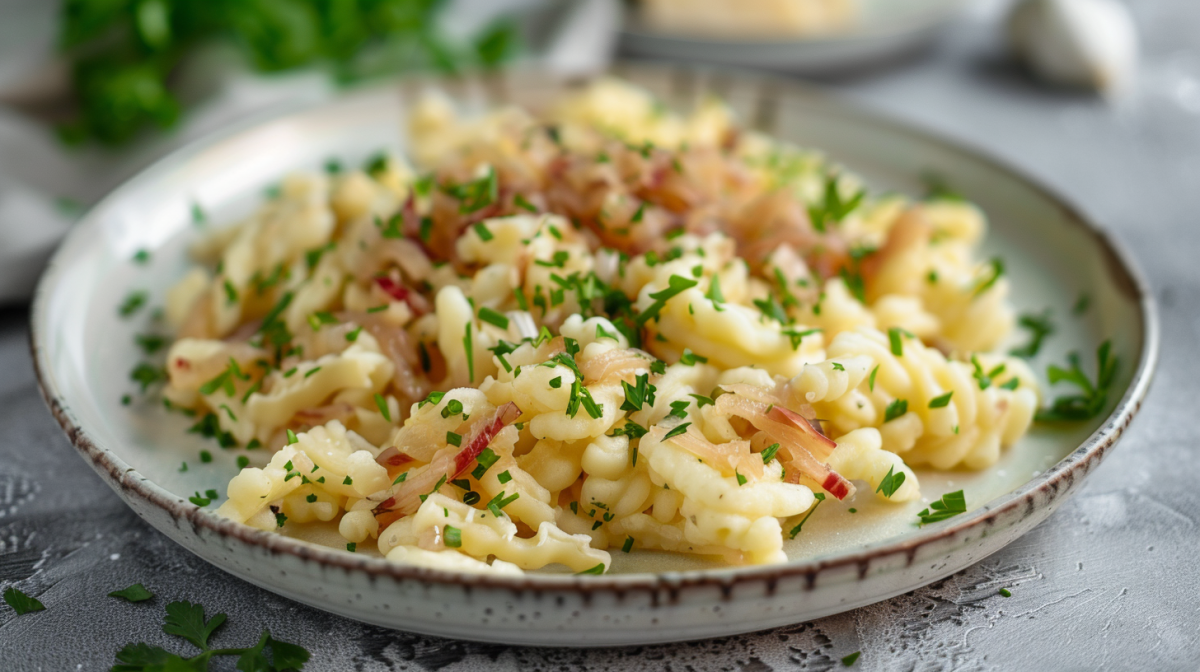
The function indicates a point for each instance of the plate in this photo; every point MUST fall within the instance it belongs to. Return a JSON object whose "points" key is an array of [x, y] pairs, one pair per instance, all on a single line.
{"points": [[83, 353], [886, 29]]}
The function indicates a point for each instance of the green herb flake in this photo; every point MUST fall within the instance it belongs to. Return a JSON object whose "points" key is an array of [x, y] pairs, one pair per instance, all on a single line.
{"points": [[504, 476], [871, 380], [994, 273], [382, 405], [849, 660], [493, 317], [768, 453], [597, 570], [951, 504], [819, 497], [1005, 592], [452, 536], [891, 482], [941, 401], [676, 284], [486, 459], [838, 367], [132, 303], [897, 343], [689, 358], [469, 350], [453, 439], [1092, 396], [1039, 326], [135, 593], [896, 409], [679, 429], [24, 604]]}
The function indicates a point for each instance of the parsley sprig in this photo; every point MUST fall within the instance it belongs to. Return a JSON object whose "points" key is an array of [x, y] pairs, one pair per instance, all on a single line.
{"points": [[951, 504], [1039, 326], [188, 621], [1092, 397]]}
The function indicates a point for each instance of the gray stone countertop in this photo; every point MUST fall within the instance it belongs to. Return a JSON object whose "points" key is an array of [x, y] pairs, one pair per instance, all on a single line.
{"points": [[1110, 581]]}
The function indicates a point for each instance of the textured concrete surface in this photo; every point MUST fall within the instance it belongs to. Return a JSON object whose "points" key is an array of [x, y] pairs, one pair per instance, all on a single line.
{"points": [[1110, 581]]}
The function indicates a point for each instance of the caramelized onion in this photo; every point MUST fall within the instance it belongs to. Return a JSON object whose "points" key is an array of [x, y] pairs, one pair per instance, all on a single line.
{"points": [[449, 463]]}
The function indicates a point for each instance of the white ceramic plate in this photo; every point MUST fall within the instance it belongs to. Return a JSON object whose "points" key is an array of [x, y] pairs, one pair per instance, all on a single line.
{"points": [[886, 29], [84, 353]]}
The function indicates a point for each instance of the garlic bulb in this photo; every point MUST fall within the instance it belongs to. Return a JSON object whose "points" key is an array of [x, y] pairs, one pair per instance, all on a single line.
{"points": [[1089, 43]]}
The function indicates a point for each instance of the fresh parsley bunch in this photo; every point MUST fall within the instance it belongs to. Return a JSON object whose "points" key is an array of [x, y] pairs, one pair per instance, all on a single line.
{"points": [[187, 620], [124, 52]]}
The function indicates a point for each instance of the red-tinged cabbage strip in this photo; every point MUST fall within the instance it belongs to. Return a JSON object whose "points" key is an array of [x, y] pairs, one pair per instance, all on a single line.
{"points": [[447, 465]]}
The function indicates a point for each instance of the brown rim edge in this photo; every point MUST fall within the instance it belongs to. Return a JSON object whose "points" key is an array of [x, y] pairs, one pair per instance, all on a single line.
{"points": [[1059, 480]]}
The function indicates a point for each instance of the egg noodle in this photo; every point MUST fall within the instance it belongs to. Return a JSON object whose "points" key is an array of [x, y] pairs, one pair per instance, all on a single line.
{"points": [[608, 327]]}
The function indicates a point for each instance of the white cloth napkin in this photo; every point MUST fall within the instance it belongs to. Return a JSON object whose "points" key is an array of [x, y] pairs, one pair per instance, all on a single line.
{"points": [[45, 187]]}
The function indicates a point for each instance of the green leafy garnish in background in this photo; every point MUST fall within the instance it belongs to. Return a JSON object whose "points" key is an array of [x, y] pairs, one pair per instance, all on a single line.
{"points": [[1092, 397], [187, 620], [124, 53]]}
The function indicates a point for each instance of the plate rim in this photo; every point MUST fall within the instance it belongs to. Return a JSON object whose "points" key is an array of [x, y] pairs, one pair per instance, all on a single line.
{"points": [[634, 27], [1060, 477]]}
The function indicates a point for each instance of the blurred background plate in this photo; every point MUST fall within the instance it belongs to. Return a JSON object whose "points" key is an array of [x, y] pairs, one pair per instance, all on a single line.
{"points": [[884, 29]]}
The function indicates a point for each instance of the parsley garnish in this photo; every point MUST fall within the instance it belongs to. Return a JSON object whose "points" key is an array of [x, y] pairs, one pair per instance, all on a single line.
{"points": [[849, 660], [681, 428], [187, 620], [469, 349], [768, 453], [897, 343], [434, 397], [639, 394], [820, 497], [521, 202], [941, 401], [389, 229], [628, 545], [1005, 592], [871, 380], [486, 459], [452, 536], [1039, 327], [951, 504], [701, 400], [1092, 397], [995, 271], [135, 593], [740, 478], [132, 303], [676, 285], [833, 208], [985, 378], [1081, 304], [146, 375], [381, 404], [597, 570], [797, 337], [493, 317], [476, 195], [22, 603], [689, 358], [897, 408], [891, 483]]}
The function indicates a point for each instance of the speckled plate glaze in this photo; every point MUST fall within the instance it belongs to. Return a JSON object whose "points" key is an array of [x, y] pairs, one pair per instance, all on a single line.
{"points": [[84, 352], [885, 29]]}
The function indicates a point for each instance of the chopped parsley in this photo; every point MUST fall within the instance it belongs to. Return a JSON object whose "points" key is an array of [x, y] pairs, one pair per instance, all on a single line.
{"points": [[500, 501], [291, 437], [951, 504], [768, 453], [896, 341], [141, 257], [676, 284], [381, 404], [493, 317], [486, 459], [1039, 326], [833, 209], [819, 497], [891, 483], [941, 401], [897, 408], [838, 367], [642, 393], [702, 401], [740, 478], [1005, 592], [681, 428], [849, 660], [132, 303], [434, 397], [146, 375], [797, 337], [985, 378], [482, 231], [994, 273], [871, 380], [452, 536], [22, 603], [1092, 396], [469, 349], [1081, 304], [597, 570], [689, 358], [524, 204], [135, 593], [389, 229]]}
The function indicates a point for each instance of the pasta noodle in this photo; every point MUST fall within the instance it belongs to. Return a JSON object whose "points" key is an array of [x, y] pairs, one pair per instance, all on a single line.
{"points": [[614, 327]]}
